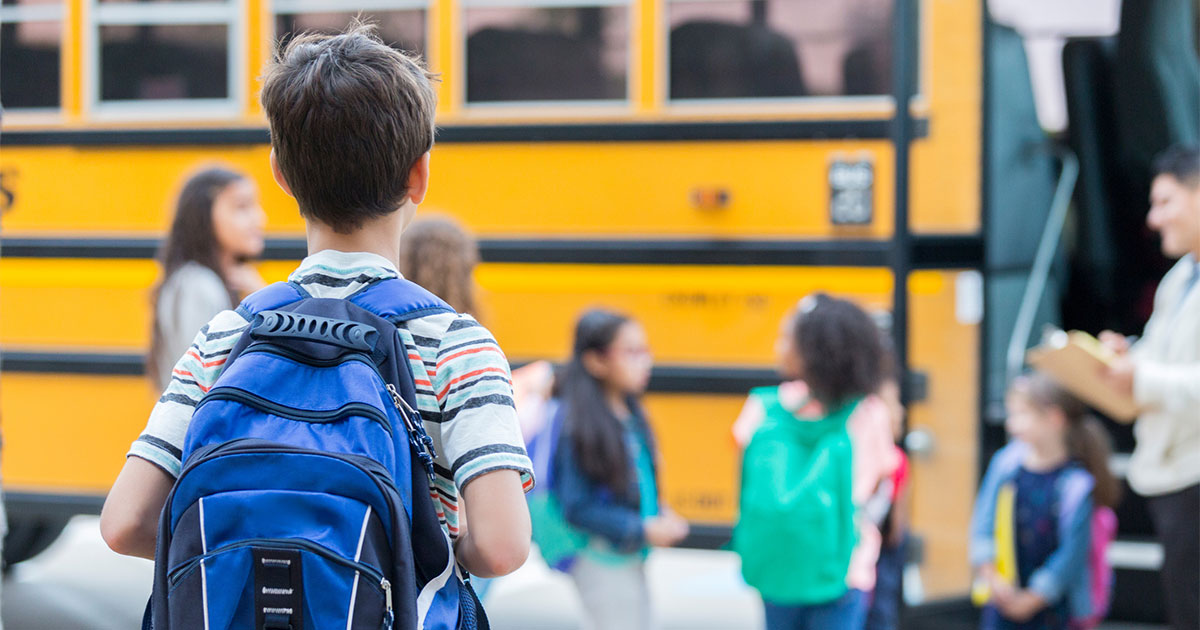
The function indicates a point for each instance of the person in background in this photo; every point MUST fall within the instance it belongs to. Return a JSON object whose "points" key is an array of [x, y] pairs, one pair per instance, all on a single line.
{"points": [[1032, 562], [817, 448], [206, 262], [606, 471], [1162, 374], [438, 254], [884, 612]]}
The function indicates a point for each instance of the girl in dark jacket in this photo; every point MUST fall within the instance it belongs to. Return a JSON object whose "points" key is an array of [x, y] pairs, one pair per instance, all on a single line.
{"points": [[606, 474]]}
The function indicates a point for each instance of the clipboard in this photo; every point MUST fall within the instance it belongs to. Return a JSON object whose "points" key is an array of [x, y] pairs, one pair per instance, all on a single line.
{"points": [[1075, 359]]}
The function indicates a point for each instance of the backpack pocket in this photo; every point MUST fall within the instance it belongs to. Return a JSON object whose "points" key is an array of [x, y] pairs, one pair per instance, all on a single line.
{"points": [[278, 583], [352, 428], [339, 406], [796, 532], [266, 535]]}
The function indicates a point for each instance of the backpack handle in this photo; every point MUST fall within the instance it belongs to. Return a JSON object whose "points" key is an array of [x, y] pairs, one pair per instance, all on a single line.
{"points": [[335, 332]]}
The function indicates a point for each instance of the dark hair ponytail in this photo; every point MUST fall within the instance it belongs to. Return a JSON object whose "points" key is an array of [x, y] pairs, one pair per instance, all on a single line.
{"points": [[1087, 440], [597, 436]]}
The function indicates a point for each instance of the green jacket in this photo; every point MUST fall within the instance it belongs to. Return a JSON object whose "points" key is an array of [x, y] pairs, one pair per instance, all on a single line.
{"points": [[796, 529]]}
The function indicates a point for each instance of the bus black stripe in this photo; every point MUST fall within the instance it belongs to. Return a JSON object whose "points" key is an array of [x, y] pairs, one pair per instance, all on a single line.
{"points": [[935, 251], [829, 129], [663, 379]]}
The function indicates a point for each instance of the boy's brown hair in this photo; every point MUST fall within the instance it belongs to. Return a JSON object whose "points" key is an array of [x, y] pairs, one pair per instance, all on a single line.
{"points": [[349, 117]]}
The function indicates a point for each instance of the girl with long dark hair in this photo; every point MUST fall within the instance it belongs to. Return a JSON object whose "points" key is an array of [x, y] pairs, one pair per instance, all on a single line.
{"points": [[216, 231], [606, 472]]}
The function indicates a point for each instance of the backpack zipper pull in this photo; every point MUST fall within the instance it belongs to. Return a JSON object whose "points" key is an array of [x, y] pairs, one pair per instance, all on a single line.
{"points": [[399, 402], [387, 595]]}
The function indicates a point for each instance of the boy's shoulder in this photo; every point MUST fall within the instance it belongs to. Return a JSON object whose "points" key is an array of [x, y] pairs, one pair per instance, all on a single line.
{"points": [[226, 324], [445, 330]]}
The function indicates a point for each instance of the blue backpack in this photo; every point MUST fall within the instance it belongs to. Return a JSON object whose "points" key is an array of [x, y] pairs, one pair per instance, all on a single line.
{"points": [[304, 499]]}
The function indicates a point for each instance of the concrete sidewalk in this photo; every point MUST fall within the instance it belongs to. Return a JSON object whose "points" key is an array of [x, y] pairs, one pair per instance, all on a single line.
{"points": [[78, 584], [691, 590]]}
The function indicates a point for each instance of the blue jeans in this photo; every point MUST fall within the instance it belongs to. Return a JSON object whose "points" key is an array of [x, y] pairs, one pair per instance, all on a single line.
{"points": [[884, 611], [847, 612]]}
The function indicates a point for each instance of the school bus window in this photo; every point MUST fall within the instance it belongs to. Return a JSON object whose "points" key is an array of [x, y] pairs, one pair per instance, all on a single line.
{"points": [[167, 51], [546, 53], [401, 24], [30, 51], [727, 49], [154, 62]]}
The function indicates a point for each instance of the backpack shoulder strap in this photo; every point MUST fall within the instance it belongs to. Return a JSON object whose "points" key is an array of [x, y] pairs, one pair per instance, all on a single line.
{"points": [[271, 297], [842, 414], [399, 300]]}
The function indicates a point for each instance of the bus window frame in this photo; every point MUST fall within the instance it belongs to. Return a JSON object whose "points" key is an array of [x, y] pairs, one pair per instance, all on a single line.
{"points": [[300, 7], [557, 108], [200, 13], [59, 12], [850, 106]]}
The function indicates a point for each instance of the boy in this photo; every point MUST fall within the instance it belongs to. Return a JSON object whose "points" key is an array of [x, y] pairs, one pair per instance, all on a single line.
{"points": [[351, 123]]}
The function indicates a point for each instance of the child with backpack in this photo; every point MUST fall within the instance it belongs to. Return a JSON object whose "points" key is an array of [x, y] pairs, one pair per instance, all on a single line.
{"points": [[806, 542], [605, 472], [1044, 516], [315, 447]]}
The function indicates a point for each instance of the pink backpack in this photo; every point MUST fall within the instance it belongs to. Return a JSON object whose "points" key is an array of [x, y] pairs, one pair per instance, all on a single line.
{"points": [[1104, 530]]}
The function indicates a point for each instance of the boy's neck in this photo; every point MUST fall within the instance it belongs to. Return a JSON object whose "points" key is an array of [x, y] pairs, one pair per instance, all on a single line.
{"points": [[380, 236], [1045, 457]]}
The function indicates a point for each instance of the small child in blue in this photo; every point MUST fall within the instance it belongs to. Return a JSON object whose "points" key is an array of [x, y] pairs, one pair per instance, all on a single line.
{"points": [[1033, 561]]}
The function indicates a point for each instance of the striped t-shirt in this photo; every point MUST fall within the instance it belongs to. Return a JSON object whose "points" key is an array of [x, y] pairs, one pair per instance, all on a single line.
{"points": [[464, 388]]}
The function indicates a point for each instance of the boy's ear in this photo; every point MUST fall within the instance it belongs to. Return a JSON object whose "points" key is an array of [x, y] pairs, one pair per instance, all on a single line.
{"points": [[278, 174], [418, 180]]}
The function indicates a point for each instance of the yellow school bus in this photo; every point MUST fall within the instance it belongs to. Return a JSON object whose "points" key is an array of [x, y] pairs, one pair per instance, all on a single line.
{"points": [[699, 164]]}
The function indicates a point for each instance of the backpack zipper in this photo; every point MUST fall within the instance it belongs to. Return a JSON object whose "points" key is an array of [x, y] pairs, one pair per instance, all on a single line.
{"points": [[389, 617], [287, 353], [254, 400], [243, 446], [178, 573], [373, 469]]}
